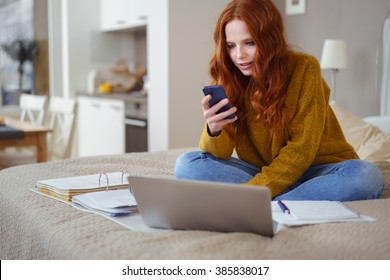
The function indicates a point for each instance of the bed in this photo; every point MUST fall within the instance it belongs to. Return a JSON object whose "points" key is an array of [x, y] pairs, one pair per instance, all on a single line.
{"points": [[37, 227]]}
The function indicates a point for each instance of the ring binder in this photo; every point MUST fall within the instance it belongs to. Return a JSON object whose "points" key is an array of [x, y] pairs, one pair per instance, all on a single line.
{"points": [[66, 188], [128, 173], [90, 192], [123, 173], [108, 182]]}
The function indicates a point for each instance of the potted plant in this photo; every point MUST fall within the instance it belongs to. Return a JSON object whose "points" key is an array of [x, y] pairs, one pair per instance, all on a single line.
{"points": [[21, 51]]}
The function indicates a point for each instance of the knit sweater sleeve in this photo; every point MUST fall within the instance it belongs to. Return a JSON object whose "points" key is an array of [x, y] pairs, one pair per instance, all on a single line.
{"points": [[305, 130], [220, 146]]}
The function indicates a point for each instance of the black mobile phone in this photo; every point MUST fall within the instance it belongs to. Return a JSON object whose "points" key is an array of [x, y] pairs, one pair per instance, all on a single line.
{"points": [[217, 94]]}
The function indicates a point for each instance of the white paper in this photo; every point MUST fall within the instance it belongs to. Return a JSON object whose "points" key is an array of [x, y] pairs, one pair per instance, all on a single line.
{"points": [[337, 213], [109, 199], [111, 202], [317, 210]]}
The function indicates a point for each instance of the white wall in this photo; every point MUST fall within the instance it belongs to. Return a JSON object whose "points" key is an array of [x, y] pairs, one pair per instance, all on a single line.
{"points": [[55, 49], [83, 22], [158, 95], [70, 28], [191, 44], [356, 21], [180, 44]]}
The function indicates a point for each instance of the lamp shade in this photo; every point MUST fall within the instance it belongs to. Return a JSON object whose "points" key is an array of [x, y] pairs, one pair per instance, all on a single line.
{"points": [[334, 54]]}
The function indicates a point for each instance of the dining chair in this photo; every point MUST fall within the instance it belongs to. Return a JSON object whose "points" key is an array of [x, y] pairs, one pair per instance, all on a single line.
{"points": [[33, 108], [62, 114]]}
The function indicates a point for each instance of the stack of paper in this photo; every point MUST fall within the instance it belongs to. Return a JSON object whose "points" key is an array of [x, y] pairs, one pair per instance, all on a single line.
{"points": [[315, 212], [65, 188], [114, 203]]}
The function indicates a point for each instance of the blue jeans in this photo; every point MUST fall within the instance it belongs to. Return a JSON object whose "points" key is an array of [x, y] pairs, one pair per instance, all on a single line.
{"points": [[344, 181]]}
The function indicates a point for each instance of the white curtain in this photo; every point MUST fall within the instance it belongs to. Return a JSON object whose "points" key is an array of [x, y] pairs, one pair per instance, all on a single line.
{"points": [[385, 85]]}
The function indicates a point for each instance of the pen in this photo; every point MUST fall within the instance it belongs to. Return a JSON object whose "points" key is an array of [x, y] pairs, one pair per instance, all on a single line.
{"points": [[119, 214], [283, 207]]}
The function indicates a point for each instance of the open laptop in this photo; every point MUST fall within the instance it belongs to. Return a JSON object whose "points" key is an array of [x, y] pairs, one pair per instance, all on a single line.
{"points": [[202, 205]]}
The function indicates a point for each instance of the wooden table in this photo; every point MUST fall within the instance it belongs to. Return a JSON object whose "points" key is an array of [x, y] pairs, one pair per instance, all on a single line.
{"points": [[34, 135]]}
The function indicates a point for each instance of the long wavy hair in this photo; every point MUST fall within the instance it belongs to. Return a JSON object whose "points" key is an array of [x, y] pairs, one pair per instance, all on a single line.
{"points": [[266, 86]]}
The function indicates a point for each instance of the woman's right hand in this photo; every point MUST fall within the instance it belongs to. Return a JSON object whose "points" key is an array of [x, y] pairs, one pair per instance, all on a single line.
{"points": [[216, 122]]}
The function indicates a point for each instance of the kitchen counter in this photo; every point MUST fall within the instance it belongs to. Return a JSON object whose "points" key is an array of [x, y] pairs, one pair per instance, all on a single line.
{"points": [[133, 97]]}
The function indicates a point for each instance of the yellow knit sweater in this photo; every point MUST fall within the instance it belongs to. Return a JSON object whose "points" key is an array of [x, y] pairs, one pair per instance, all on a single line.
{"points": [[314, 135]]}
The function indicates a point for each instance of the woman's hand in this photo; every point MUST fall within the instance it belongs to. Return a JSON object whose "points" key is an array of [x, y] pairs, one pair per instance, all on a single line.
{"points": [[216, 122]]}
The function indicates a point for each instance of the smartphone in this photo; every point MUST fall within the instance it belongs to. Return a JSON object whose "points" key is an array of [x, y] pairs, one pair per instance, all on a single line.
{"points": [[217, 94]]}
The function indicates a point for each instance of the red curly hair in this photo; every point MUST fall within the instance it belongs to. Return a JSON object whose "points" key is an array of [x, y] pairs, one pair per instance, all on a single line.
{"points": [[267, 83]]}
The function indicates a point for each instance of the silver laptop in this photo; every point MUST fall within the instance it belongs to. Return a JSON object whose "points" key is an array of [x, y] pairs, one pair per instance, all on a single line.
{"points": [[202, 205]]}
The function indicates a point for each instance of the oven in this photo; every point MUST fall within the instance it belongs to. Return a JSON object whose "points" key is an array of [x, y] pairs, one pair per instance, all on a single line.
{"points": [[136, 126]]}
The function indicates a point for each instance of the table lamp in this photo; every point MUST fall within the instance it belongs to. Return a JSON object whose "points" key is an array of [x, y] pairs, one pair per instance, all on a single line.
{"points": [[334, 57]]}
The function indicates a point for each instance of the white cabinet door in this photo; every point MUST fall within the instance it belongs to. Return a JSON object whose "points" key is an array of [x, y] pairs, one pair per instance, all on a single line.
{"points": [[136, 11], [122, 14], [101, 129], [112, 14]]}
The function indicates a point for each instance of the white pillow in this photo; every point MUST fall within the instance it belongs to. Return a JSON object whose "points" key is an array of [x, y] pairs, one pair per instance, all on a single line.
{"points": [[369, 141], [382, 122]]}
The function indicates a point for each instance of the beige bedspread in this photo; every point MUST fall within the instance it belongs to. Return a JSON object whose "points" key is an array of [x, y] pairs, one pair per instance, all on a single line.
{"points": [[36, 227]]}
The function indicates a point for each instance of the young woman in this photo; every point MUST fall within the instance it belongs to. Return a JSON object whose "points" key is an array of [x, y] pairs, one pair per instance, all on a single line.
{"points": [[285, 134]]}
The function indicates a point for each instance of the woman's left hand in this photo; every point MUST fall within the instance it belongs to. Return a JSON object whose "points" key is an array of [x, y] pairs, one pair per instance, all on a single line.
{"points": [[216, 121]]}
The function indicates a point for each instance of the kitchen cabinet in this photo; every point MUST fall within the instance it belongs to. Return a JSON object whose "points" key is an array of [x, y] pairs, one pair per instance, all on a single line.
{"points": [[101, 128], [123, 14]]}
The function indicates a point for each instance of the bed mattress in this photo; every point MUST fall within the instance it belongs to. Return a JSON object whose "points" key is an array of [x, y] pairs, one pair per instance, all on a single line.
{"points": [[37, 227]]}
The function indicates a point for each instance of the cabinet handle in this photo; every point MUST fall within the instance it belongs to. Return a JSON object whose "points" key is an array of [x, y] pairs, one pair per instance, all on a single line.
{"points": [[116, 107], [143, 17], [95, 105], [121, 21], [135, 122]]}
